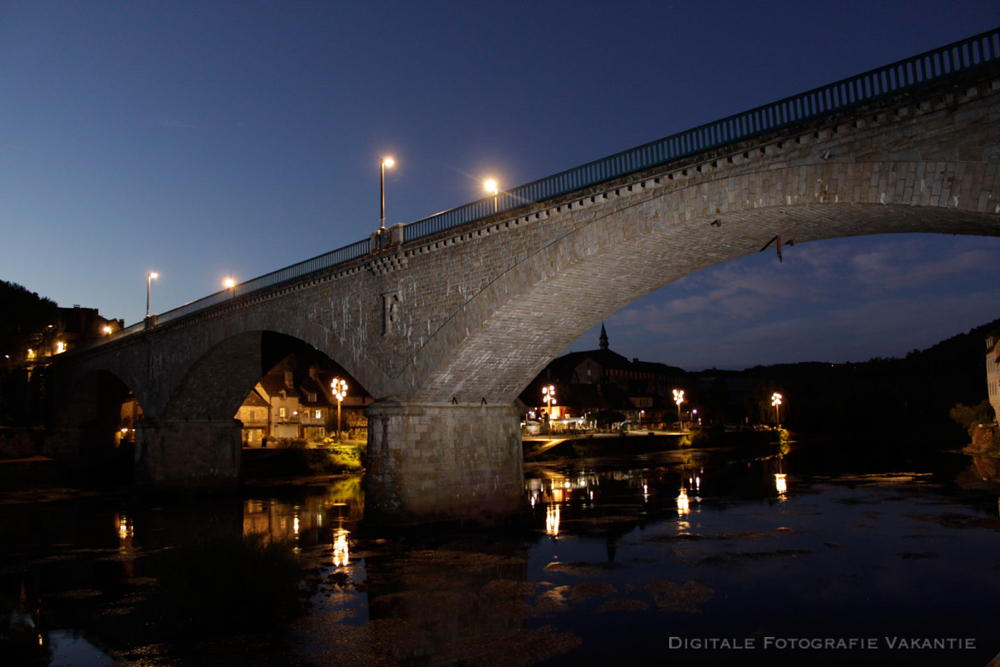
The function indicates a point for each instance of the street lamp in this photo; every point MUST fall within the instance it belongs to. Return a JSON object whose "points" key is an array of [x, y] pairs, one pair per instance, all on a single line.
{"points": [[386, 162], [776, 402], [339, 388], [491, 186], [549, 396], [678, 399], [149, 280]]}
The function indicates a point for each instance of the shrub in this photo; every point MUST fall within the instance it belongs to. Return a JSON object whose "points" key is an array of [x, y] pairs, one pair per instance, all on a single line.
{"points": [[970, 417]]}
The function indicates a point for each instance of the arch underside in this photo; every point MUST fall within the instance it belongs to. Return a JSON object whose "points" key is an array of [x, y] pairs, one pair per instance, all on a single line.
{"points": [[218, 381], [89, 416], [570, 286]]}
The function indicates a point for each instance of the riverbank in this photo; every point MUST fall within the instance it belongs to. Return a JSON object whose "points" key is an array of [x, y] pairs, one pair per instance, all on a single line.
{"points": [[543, 448]]}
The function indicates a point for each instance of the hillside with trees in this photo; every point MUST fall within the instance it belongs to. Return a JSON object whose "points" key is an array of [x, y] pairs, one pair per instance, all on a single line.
{"points": [[911, 396]]}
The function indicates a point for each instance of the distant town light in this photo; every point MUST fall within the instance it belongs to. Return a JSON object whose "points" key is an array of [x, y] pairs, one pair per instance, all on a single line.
{"points": [[60, 347]]}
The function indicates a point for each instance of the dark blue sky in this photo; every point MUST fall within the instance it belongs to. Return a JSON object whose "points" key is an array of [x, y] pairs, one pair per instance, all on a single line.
{"points": [[202, 140]]}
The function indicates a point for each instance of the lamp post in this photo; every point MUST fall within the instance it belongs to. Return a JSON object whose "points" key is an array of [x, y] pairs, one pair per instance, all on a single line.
{"points": [[776, 402], [549, 396], [149, 281], [491, 186], [386, 162], [230, 284], [678, 399], [339, 388]]}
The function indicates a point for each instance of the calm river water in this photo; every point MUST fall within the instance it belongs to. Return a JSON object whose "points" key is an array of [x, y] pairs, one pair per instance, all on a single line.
{"points": [[711, 556]]}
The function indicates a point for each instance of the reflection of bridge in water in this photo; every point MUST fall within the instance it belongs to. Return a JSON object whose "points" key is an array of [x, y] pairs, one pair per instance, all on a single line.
{"points": [[445, 320]]}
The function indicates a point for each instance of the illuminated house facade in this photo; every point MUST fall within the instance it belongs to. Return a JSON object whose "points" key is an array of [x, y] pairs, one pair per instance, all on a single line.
{"points": [[254, 415], [284, 406]]}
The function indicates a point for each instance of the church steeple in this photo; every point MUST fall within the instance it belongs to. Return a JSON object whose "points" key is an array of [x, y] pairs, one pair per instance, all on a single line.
{"points": [[604, 337]]}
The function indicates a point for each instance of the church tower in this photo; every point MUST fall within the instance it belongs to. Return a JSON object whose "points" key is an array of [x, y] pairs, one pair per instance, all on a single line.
{"points": [[604, 337]]}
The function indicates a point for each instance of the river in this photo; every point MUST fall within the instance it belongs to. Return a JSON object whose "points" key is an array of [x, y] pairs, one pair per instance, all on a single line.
{"points": [[814, 555]]}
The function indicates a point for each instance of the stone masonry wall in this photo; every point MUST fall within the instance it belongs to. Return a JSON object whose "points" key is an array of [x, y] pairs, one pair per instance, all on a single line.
{"points": [[443, 462]]}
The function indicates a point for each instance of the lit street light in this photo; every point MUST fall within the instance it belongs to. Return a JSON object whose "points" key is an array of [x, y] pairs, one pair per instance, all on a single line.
{"points": [[776, 402], [491, 186], [549, 396], [339, 388], [230, 284], [678, 399], [149, 280], [386, 162]]}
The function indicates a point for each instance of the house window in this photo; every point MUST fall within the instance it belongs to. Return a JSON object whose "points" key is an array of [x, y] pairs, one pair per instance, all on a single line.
{"points": [[319, 414], [312, 399], [282, 412]]}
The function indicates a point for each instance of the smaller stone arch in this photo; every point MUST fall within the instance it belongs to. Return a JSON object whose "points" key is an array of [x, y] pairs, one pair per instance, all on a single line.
{"points": [[90, 418]]}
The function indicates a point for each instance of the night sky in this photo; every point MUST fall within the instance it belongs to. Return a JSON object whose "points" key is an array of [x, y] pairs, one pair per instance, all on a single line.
{"points": [[211, 139]]}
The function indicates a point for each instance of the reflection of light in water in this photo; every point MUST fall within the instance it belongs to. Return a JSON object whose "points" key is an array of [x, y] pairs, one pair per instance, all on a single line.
{"points": [[552, 520], [295, 525], [341, 548], [557, 495], [683, 505], [780, 484], [645, 492], [125, 532]]}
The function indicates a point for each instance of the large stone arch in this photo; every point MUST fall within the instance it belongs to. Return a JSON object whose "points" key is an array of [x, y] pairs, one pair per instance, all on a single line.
{"points": [[619, 244], [224, 362]]}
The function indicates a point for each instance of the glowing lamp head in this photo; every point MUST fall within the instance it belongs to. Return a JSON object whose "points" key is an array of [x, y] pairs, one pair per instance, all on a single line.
{"points": [[490, 185], [153, 275], [388, 161], [106, 329], [339, 388], [229, 283]]}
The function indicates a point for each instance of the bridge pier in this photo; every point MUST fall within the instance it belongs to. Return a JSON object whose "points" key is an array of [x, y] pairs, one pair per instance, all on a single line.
{"points": [[176, 455], [442, 463]]}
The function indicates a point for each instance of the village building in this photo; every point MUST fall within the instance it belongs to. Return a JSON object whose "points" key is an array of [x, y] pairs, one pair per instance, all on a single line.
{"points": [[287, 405], [993, 371], [594, 382]]}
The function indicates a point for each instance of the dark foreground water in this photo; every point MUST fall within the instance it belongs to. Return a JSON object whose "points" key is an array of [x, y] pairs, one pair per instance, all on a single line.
{"points": [[714, 556]]}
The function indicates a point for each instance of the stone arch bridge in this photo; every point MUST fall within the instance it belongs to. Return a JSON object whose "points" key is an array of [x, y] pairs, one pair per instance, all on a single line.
{"points": [[444, 321]]}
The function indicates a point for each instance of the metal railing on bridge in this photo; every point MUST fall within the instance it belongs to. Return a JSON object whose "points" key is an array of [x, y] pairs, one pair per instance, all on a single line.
{"points": [[935, 65]]}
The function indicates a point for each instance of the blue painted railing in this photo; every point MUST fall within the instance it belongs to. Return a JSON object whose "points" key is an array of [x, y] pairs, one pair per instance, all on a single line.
{"points": [[935, 65]]}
